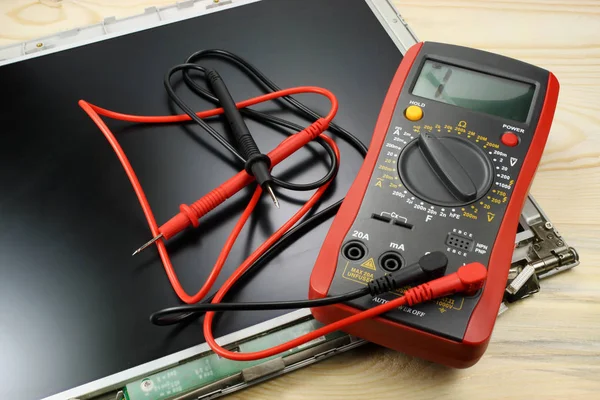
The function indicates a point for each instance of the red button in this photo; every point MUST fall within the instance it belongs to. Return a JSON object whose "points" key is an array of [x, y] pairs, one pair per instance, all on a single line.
{"points": [[509, 139]]}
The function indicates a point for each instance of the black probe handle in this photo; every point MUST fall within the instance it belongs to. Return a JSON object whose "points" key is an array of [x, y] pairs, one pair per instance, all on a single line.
{"points": [[232, 114], [245, 142]]}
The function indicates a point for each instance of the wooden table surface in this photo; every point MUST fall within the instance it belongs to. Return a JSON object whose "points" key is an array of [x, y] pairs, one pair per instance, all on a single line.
{"points": [[547, 346]]}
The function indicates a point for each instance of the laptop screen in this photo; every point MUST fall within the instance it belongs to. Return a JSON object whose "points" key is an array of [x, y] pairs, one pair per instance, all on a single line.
{"points": [[74, 304]]}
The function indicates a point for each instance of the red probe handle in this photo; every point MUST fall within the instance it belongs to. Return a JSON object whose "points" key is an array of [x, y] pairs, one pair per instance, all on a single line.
{"points": [[189, 215]]}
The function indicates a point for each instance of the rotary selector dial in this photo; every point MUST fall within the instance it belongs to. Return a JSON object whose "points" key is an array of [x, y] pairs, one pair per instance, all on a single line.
{"points": [[446, 171]]}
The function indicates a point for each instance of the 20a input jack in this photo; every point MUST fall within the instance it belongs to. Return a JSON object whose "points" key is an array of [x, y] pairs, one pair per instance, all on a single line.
{"points": [[391, 261], [354, 250]]}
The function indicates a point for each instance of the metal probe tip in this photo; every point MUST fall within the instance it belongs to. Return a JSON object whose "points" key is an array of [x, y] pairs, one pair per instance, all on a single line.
{"points": [[272, 194], [148, 243]]}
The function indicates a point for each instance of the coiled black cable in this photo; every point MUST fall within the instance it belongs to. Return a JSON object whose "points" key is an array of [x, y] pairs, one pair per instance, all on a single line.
{"points": [[168, 316]]}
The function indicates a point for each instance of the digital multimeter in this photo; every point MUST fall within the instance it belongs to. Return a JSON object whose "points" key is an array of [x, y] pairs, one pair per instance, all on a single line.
{"points": [[455, 148]]}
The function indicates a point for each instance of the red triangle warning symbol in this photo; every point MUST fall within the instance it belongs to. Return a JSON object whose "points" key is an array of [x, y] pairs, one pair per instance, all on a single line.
{"points": [[370, 264]]}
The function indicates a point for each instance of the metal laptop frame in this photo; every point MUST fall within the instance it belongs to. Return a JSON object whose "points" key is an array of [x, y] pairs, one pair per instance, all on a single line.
{"points": [[393, 23]]}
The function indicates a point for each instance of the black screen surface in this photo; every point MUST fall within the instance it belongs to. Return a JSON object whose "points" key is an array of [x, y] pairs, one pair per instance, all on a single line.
{"points": [[74, 304]]}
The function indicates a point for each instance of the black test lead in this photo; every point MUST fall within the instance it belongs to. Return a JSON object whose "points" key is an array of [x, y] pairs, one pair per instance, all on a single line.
{"points": [[257, 163], [181, 221]]}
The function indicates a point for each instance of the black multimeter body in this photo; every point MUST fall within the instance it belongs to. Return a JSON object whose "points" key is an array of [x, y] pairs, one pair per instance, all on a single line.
{"points": [[455, 149]]}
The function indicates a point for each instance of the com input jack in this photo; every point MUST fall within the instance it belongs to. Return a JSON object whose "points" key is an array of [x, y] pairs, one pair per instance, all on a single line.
{"points": [[354, 250], [391, 261]]}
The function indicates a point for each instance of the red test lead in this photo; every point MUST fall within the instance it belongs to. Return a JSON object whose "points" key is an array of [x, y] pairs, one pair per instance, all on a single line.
{"points": [[189, 214]]}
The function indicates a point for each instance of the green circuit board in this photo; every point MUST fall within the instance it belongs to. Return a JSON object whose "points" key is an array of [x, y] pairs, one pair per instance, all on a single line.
{"points": [[209, 368]]}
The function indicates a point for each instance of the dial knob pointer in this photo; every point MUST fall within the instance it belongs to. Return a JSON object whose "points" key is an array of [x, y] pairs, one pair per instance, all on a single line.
{"points": [[448, 169]]}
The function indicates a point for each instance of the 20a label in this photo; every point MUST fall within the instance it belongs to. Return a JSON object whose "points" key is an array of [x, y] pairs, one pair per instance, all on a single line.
{"points": [[360, 235]]}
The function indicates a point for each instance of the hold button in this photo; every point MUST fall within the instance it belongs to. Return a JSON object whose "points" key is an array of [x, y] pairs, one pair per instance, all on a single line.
{"points": [[413, 113]]}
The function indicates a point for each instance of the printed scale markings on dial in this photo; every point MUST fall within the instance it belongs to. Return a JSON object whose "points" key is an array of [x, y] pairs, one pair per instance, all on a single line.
{"points": [[403, 138], [500, 170], [498, 157], [503, 179], [389, 177], [495, 197]]}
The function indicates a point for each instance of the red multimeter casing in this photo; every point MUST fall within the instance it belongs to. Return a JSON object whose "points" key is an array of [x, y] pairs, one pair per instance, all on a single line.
{"points": [[489, 116]]}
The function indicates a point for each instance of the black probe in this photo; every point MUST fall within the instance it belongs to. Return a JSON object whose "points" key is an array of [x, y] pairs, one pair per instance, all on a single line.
{"points": [[257, 164], [301, 228]]}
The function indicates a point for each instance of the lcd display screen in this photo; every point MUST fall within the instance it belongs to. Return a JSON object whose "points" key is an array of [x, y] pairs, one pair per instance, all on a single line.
{"points": [[474, 90]]}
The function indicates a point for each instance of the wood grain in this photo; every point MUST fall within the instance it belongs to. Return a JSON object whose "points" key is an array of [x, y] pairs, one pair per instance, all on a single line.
{"points": [[544, 347]]}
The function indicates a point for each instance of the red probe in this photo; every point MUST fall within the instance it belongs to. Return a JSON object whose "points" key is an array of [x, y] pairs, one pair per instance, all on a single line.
{"points": [[189, 215], [468, 278]]}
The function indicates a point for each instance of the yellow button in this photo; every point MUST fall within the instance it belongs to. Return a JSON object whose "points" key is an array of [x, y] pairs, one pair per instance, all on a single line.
{"points": [[413, 113]]}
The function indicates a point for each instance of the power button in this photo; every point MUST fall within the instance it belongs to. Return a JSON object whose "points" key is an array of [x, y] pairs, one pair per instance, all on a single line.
{"points": [[509, 139]]}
